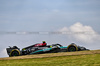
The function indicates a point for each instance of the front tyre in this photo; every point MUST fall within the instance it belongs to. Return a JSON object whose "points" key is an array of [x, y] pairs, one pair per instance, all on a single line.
{"points": [[72, 49]]}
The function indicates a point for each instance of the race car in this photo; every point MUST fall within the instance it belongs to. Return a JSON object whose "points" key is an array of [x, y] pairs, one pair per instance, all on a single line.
{"points": [[33, 49]]}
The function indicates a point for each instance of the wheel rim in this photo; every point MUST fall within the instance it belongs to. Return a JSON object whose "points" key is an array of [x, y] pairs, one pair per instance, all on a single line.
{"points": [[15, 54], [72, 49]]}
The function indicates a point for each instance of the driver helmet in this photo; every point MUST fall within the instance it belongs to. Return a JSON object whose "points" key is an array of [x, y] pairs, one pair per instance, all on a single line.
{"points": [[43, 41]]}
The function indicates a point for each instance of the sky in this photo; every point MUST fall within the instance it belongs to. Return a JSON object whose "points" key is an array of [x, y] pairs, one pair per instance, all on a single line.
{"points": [[77, 20]]}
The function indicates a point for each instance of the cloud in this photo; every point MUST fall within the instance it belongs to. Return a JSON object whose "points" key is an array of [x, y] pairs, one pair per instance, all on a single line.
{"points": [[82, 33], [64, 29]]}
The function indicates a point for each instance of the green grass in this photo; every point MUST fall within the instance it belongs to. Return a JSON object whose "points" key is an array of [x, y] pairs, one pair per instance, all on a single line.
{"points": [[73, 60]]}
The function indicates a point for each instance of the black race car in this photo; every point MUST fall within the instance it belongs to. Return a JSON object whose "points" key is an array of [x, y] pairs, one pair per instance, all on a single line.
{"points": [[54, 48]]}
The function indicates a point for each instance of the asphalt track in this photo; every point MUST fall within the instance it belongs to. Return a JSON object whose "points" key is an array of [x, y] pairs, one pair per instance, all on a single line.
{"points": [[53, 55]]}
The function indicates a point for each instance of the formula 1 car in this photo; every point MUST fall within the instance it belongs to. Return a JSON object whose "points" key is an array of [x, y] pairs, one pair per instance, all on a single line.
{"points": [[54, 48]]}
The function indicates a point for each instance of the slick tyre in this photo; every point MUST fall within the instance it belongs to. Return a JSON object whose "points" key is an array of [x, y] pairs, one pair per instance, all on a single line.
{"points": [[15, 52], [72, 49]]}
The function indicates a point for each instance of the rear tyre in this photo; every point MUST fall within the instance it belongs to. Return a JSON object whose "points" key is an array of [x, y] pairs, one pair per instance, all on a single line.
{"points": [[14, 53]]}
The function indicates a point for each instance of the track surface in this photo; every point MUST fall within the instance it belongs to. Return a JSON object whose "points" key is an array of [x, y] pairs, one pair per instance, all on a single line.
{"points": [[53, 55]]}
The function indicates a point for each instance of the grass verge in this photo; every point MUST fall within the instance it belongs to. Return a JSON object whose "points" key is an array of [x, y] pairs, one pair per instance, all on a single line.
{"points": [[73, 59]]}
